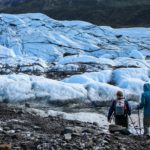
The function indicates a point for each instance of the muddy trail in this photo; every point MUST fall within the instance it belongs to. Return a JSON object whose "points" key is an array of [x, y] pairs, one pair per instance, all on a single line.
{"points": [[23, 130]]}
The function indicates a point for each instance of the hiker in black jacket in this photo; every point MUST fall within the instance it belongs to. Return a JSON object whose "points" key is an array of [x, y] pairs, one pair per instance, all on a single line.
{"points": [[121, 109]]}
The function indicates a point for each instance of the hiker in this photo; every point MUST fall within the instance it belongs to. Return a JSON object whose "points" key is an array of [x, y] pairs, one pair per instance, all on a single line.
{"points": [[121, 109], [145, 103]]}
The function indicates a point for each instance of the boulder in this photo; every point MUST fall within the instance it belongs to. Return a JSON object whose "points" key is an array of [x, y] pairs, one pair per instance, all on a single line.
{"points": [[117, 128], [67, 136]]}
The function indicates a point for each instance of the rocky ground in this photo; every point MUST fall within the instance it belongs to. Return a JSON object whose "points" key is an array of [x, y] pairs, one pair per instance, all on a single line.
{"points": [[22, 130]]}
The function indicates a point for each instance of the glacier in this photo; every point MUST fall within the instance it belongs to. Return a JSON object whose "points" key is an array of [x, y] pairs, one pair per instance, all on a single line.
{"points": [[103, 59]]}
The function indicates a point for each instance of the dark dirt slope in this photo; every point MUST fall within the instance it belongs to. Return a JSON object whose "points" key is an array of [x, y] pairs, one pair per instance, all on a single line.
{"points": [[26, 131], [116, 13]]}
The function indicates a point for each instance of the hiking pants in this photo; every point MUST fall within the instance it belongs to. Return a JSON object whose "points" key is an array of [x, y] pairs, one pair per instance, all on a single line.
{"points": [[121, 120], [146, 124]]}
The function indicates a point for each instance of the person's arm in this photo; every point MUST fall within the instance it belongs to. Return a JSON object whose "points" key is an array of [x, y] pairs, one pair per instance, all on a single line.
{"points": [[111, 110], [141, 105]]}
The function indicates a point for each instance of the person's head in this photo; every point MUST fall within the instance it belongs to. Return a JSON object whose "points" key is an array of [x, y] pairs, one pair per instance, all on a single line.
{"points": [[119, 94], [146, 87]]}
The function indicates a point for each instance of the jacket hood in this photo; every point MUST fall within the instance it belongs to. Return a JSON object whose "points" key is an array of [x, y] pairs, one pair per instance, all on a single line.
{"points": [[146, 87]]}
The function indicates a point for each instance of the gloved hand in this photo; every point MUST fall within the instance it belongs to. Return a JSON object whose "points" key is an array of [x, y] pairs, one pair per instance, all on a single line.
{"points": [[129, 113], [137, 107]]}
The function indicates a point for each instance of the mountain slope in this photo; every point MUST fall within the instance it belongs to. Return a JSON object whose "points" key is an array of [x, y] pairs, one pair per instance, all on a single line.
{"points": [[101, 12]]}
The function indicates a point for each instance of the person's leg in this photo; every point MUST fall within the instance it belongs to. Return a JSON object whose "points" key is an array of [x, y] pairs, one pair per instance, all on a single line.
{"points": [[146, 124], [125, 121], [117, 120], [122, 121]]}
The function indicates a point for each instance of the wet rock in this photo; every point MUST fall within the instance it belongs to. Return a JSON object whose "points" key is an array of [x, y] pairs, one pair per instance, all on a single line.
{"points": [[15, 136], [17, 148], [88, 130], [78, 129], [68, 130], [36, 128], [20, 112], [107, 139], [120, 129], [95, 124], [75, 131], [44, 146], [11, 131], [120, 147], [7, 128], [125, 132], [67, 136], [27, 105], [76, 134], [1, 129], [23, 145], [89, 144], [105, 142]]}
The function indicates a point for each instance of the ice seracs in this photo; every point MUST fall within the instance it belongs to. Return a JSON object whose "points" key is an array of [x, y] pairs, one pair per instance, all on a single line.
{"points": [[23, 87], [104, 59], [136, 54], [40, 36], [6, 52]]}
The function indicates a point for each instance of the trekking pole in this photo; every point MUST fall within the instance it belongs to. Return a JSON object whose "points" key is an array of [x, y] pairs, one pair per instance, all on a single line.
{"points": [[112, 117], [139, 120], [133, 125]]}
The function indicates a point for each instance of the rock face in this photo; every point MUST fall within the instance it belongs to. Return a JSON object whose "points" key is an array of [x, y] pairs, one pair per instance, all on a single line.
{"points": [[123, 13], [7, 4]]}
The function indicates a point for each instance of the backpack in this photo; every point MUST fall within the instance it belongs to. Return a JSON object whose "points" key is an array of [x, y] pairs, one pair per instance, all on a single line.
{"points": [[120, 107]]}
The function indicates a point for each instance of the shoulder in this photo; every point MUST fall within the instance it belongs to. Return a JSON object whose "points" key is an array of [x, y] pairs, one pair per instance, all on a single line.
{"points": [[126, 102], [114, 102], [143, 94]]}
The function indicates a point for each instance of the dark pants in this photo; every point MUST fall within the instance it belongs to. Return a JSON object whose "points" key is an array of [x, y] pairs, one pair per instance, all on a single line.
{"points": [[146, 123], [121, 120]]}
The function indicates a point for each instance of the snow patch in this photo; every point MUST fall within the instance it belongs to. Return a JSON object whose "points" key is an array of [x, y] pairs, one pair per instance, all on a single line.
{"points": [[6, 52]]}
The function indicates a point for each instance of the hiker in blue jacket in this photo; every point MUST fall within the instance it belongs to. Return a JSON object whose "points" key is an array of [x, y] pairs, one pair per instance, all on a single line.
{"points": [[145, 103], [121, 109]]}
